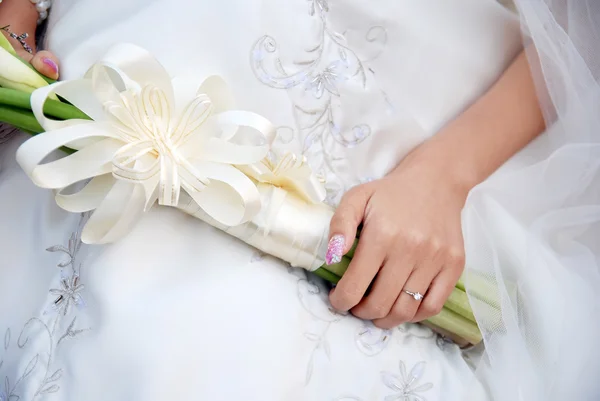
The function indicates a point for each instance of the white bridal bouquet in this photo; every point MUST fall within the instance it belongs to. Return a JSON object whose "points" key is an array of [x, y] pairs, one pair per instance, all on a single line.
{"points": [[134, 138]]}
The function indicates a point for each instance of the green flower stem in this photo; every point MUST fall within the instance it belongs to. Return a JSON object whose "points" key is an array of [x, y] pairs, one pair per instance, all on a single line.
{"points": [[52, 108], [457, 325], [458, 302], [483, 288], [456, 318], [20, 118], [327, 275], [5, 44], [339, 268], [461, 342], [24, 121]]}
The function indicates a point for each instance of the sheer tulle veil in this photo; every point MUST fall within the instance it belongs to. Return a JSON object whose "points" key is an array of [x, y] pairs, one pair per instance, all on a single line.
{"points": [[533, 230]]}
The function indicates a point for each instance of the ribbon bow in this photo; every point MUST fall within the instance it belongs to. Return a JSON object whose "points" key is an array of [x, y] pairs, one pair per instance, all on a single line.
{"points": [[291, 173], [149, 138]]}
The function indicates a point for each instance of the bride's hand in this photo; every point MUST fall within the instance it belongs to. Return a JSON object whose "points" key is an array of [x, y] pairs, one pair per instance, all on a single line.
{"points": [[412, 236], [411, 240], [43, 61]]}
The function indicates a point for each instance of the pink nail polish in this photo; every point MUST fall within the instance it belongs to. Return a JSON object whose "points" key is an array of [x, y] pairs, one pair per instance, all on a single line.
{"points": [[50, 63], [335, 250]]}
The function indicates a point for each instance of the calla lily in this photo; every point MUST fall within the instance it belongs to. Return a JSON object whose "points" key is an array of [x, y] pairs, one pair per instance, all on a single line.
{"points": [[5, 44], [15, 74]]}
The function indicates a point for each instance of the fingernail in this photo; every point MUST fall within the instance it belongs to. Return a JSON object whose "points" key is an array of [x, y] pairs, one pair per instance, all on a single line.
{"points": [[50, 63], [335, 250]]}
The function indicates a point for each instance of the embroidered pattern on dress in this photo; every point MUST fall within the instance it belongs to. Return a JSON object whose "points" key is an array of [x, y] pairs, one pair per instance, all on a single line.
{"points": [[313, 298], [312, 294], [406, 385], [66, 295], [326, 65], [371, 340]]}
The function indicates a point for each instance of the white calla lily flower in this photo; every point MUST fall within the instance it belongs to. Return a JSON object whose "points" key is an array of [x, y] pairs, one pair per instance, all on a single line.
{"points": [[14, 74]]}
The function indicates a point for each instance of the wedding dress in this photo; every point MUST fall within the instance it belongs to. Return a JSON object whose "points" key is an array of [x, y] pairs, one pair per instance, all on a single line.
{"points": [[178, 310]]}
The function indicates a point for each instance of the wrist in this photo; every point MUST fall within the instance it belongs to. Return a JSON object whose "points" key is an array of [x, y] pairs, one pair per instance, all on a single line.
{"points": [[442, 161], [460, 157], [23, 42]]}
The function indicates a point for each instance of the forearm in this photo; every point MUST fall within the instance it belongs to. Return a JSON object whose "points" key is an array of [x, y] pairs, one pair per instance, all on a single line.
{"points": [[494, 128], [22, 16]]}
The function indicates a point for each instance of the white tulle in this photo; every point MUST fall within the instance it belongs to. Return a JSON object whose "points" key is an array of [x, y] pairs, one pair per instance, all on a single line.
{"points": [[536, 224]]}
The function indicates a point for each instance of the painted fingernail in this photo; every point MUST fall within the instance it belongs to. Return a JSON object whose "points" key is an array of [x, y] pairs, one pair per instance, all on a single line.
{"points": [[50, 63], [335, 250]]}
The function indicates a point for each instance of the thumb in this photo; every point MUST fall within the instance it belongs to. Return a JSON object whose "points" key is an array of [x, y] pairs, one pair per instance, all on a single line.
{"points": [[46, 64], [345, 221]]}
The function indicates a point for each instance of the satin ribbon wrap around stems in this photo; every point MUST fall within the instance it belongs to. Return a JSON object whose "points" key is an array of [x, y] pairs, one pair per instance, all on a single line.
{"points": [[287, 226], [293, 223], [149, 139]]}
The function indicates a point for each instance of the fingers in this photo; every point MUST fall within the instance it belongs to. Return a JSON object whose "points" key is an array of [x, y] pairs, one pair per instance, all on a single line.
{"points": [[385, 290], [443, 284], [347, 217], [406, 306], [26, 56], [46, 63], [439, 291], [367, 261]]}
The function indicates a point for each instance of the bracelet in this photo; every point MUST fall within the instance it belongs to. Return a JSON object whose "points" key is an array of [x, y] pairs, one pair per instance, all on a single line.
{"points": [[19, 38], [42, 7]]}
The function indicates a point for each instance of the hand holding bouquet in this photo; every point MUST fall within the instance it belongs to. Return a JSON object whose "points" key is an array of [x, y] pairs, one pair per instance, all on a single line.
{"points": [[410, 250], [183, 144]]}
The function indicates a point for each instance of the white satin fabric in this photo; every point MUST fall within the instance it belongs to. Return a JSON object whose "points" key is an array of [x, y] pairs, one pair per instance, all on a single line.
{"points": [[179, 310]]}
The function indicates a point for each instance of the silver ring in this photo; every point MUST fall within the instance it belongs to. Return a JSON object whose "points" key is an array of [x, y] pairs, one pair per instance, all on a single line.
{"points": [[416, 295]]}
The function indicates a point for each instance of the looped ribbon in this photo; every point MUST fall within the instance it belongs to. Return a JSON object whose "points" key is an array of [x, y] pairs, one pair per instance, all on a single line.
{"points": [[293, 223], [149, 138], [290, 172]]}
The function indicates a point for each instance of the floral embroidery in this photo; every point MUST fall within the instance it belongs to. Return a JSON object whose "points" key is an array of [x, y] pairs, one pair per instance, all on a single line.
{"points": [[416, 330], [68, 293], [326, 80], [371, 340], [321, 314], [406, 386], [444, 343], [313, 299], [325, 66], [319, 6], [321, 343]]}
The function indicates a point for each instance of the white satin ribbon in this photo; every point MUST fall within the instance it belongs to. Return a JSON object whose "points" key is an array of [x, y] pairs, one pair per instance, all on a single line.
{"points": [[146, 142], [291, 173], [286, 227], [293, 223]]}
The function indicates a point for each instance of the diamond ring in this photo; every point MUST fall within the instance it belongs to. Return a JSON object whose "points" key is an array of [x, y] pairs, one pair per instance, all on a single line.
{"points": [[416, 295]]}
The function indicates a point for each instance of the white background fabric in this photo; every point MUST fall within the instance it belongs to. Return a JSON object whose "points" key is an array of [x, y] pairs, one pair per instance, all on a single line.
{"points": [[180, 311]]}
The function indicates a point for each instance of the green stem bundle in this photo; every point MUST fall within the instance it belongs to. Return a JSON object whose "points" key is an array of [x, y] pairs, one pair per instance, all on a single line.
{"points": [[15, 109], [456, 316]]}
